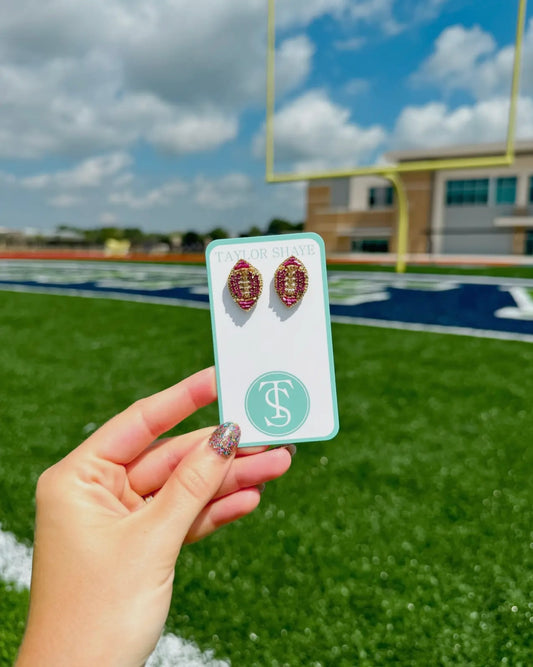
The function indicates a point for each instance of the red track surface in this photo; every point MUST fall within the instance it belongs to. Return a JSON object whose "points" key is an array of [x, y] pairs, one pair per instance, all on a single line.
{"points": [[97, 255], [199, 258]]}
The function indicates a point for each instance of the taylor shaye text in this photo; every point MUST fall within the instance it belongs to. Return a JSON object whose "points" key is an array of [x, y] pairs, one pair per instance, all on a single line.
{"points": [[277, 252]]}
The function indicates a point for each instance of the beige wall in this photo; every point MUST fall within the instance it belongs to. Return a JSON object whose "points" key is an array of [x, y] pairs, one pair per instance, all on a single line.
{"points": [[338, 227]]}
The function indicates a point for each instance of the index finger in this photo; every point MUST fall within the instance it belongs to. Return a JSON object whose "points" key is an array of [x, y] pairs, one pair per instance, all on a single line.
{"points": [[127, 434]]}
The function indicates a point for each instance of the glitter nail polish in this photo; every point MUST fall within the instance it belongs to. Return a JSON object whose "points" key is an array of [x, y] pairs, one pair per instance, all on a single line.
{"points": [[225, 439]]}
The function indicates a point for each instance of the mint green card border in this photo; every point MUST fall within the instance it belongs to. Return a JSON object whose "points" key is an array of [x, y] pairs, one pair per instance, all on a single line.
{"points": [[256, 240]]}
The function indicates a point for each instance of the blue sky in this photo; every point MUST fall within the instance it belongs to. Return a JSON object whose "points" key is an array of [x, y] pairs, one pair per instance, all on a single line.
{"points": [[151, 112]]}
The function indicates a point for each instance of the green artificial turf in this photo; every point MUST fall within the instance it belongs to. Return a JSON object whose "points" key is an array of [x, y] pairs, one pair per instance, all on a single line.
{"points": [[407, 540], [496, 271]]}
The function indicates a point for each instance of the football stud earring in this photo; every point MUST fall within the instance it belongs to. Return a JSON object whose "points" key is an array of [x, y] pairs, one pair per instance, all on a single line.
{"points": [[245, 284], [291, 281]]}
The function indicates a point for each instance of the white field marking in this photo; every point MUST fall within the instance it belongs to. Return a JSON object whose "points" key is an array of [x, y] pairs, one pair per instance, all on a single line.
{"points": [[119, 296], [15, 570], [524, 305], [354, 275], [426, 285], [356, 291], [109, 275], [172, 651], [139, 271], [134, 268], [15, 561], [361, 282], [434, 328], [361, 321], [357, 300], [431, 277]]}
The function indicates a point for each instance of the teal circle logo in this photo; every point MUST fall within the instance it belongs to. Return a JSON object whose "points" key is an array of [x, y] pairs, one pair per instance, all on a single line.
{"points": [[277, 403]]}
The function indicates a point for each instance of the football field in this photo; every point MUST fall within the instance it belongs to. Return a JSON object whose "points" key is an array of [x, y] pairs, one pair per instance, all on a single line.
{"points": [[406, 540]]}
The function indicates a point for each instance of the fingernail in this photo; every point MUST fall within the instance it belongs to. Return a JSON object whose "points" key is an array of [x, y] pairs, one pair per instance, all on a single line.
{"points": [[291, 449], [225, 439]]}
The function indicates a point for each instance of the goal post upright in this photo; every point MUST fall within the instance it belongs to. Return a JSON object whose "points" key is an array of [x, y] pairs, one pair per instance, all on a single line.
{"points": [[392, 172]]}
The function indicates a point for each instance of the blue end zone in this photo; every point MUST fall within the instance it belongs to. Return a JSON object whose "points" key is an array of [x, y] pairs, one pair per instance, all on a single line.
{"points": [[466, 306], [499, 308]]}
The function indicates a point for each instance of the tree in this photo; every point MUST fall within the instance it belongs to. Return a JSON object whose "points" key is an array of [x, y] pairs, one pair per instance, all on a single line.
{"points": [[254, 231], [218, 233], [192, 241], [67, 228], [134, 234], [280, 226]]}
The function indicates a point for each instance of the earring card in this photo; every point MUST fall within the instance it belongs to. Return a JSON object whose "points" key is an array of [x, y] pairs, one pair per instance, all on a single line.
{"points": [[274, 357]]}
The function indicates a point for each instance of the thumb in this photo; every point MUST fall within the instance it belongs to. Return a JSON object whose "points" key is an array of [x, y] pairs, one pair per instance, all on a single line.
{"points": [[194, 483]]}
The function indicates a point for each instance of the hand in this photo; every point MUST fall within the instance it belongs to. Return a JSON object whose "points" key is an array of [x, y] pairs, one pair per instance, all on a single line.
{"points": [[104, 557]]}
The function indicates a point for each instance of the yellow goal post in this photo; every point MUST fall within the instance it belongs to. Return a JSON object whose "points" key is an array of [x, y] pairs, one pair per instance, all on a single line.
{"points": [[392, 172]]}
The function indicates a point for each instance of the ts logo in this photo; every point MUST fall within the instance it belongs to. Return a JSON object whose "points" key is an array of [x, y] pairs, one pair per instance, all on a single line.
{"points": [[272, 397], [277, 403]]}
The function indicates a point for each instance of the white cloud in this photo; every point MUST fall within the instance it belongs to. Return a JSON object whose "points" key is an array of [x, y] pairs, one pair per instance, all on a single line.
{"points": [[194, 133], [356, 86], [312, 132], [302, 12], [161, 196], [7, 179], [230, 191], [88, 174], [395, 16], [458, 51], [468, 59], [78, 78], [428, 10], [65, 201], [435, 124], [123, 179], [293, 63], [377, 11], [107, 218], [352, 44]]}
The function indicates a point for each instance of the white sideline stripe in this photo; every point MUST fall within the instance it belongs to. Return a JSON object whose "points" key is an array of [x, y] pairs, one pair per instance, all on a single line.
{"points": [[435, 328], [15, 570], [99, 265], [119, 296]]}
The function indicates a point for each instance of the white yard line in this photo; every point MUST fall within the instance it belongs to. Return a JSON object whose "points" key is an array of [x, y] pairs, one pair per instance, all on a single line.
{"points": [[15, 570], [118, 296], [434, 328]]}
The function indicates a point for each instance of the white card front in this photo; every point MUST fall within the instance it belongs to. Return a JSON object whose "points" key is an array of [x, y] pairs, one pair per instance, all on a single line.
{"points": [[274, 359]]}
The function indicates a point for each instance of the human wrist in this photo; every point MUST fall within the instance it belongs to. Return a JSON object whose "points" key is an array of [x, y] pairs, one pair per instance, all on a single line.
{"points": [[48, 646]]}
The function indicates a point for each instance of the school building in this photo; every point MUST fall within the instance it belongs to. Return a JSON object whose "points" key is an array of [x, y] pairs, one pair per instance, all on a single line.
{"points": [[470, 212]]}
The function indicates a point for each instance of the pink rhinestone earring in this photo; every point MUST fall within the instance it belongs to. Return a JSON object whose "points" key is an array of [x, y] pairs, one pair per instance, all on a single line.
{"points": [[245, 284], [291, 281]]}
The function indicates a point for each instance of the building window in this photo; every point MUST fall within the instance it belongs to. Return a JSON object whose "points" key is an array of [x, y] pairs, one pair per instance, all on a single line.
{"points": [[506, 190], [370, 245], [382, 197], [472, 192]]}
